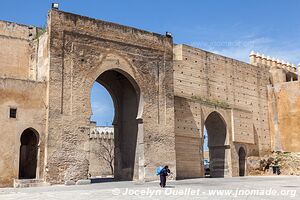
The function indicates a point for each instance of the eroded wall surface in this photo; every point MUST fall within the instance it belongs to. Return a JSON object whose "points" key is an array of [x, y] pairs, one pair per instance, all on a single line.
{"points": [[81, 49], [284, 112], [213, 82], [16, 49]]}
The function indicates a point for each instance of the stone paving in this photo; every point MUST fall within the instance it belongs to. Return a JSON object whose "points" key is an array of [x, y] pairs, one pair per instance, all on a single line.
{"points": [[275, 187]]}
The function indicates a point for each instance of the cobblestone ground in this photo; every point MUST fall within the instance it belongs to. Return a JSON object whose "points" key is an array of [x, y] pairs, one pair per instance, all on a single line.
{"points": [[277, 187]]}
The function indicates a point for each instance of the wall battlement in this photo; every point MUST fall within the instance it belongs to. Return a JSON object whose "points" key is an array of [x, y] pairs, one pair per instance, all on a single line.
{"points": [[102, 132], [261, 59]]}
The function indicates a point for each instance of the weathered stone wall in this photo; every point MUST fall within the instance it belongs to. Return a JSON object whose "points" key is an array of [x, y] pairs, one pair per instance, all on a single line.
{"points": [[29, 99], [215, 82], [284, 114], [16, 49], [80, 50], [23, 52]]}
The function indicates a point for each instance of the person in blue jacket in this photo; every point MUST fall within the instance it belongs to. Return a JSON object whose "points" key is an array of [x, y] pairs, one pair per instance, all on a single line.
{"points": [[163, 176]]}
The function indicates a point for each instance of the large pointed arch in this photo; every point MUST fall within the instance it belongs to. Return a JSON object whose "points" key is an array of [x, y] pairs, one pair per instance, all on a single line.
{"points": [[126, 96]]}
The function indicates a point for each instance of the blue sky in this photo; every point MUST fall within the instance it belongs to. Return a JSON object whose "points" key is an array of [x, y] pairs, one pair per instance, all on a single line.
{"points": [[232, 28]]}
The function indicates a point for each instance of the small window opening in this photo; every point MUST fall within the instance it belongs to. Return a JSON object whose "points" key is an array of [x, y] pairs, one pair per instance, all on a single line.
{"points": [[12, 113]]}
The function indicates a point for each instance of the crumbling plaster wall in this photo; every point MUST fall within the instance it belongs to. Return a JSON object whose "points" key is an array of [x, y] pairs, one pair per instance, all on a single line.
{"points": [[284, 114]]}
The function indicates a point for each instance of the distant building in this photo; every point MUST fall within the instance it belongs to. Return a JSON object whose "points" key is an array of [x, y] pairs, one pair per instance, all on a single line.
{"points": [[102, 132]]}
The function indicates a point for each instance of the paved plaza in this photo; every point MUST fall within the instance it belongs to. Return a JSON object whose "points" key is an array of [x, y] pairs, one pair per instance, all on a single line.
{"points": [[276, 187]]}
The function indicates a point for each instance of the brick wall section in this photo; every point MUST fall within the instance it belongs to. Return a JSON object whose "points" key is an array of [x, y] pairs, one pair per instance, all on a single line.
{"points": [[238, 87], [188, 140]]}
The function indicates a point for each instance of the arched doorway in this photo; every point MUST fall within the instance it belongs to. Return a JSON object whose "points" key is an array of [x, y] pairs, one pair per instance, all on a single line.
{"points": [[125, 94], [216, 133], [242, 161], [28, 154]]}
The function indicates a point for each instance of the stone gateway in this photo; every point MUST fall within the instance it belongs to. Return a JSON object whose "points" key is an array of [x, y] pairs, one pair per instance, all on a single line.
{"points": [[164, 95]]}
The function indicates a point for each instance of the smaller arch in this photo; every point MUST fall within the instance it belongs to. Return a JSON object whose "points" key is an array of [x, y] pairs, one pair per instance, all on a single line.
{"points": [[217, 134], [28, 154], [216, 126], [34, 131], [216, 114], [242, 161]]}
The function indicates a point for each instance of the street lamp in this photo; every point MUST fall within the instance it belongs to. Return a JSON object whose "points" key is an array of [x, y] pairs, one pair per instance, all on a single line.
{"points": [[168, 34], [55, 6]]}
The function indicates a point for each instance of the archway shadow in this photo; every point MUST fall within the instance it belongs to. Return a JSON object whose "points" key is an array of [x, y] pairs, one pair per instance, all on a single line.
{"points": [[242, 161]]}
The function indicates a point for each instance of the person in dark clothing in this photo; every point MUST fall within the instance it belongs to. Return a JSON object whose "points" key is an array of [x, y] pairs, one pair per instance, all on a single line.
{"points": [[163, 176]]}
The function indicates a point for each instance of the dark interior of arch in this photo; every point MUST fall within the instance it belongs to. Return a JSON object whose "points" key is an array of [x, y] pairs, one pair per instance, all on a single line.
{"points": [[125, 97], [242, 161], [216, 131], [28, 155]]}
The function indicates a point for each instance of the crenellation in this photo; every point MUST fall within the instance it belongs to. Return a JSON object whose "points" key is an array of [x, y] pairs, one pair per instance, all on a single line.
{"points": [[278, 62], [273, 62], [269, 61], [280, 70], [106, 133], [261, 59]]}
